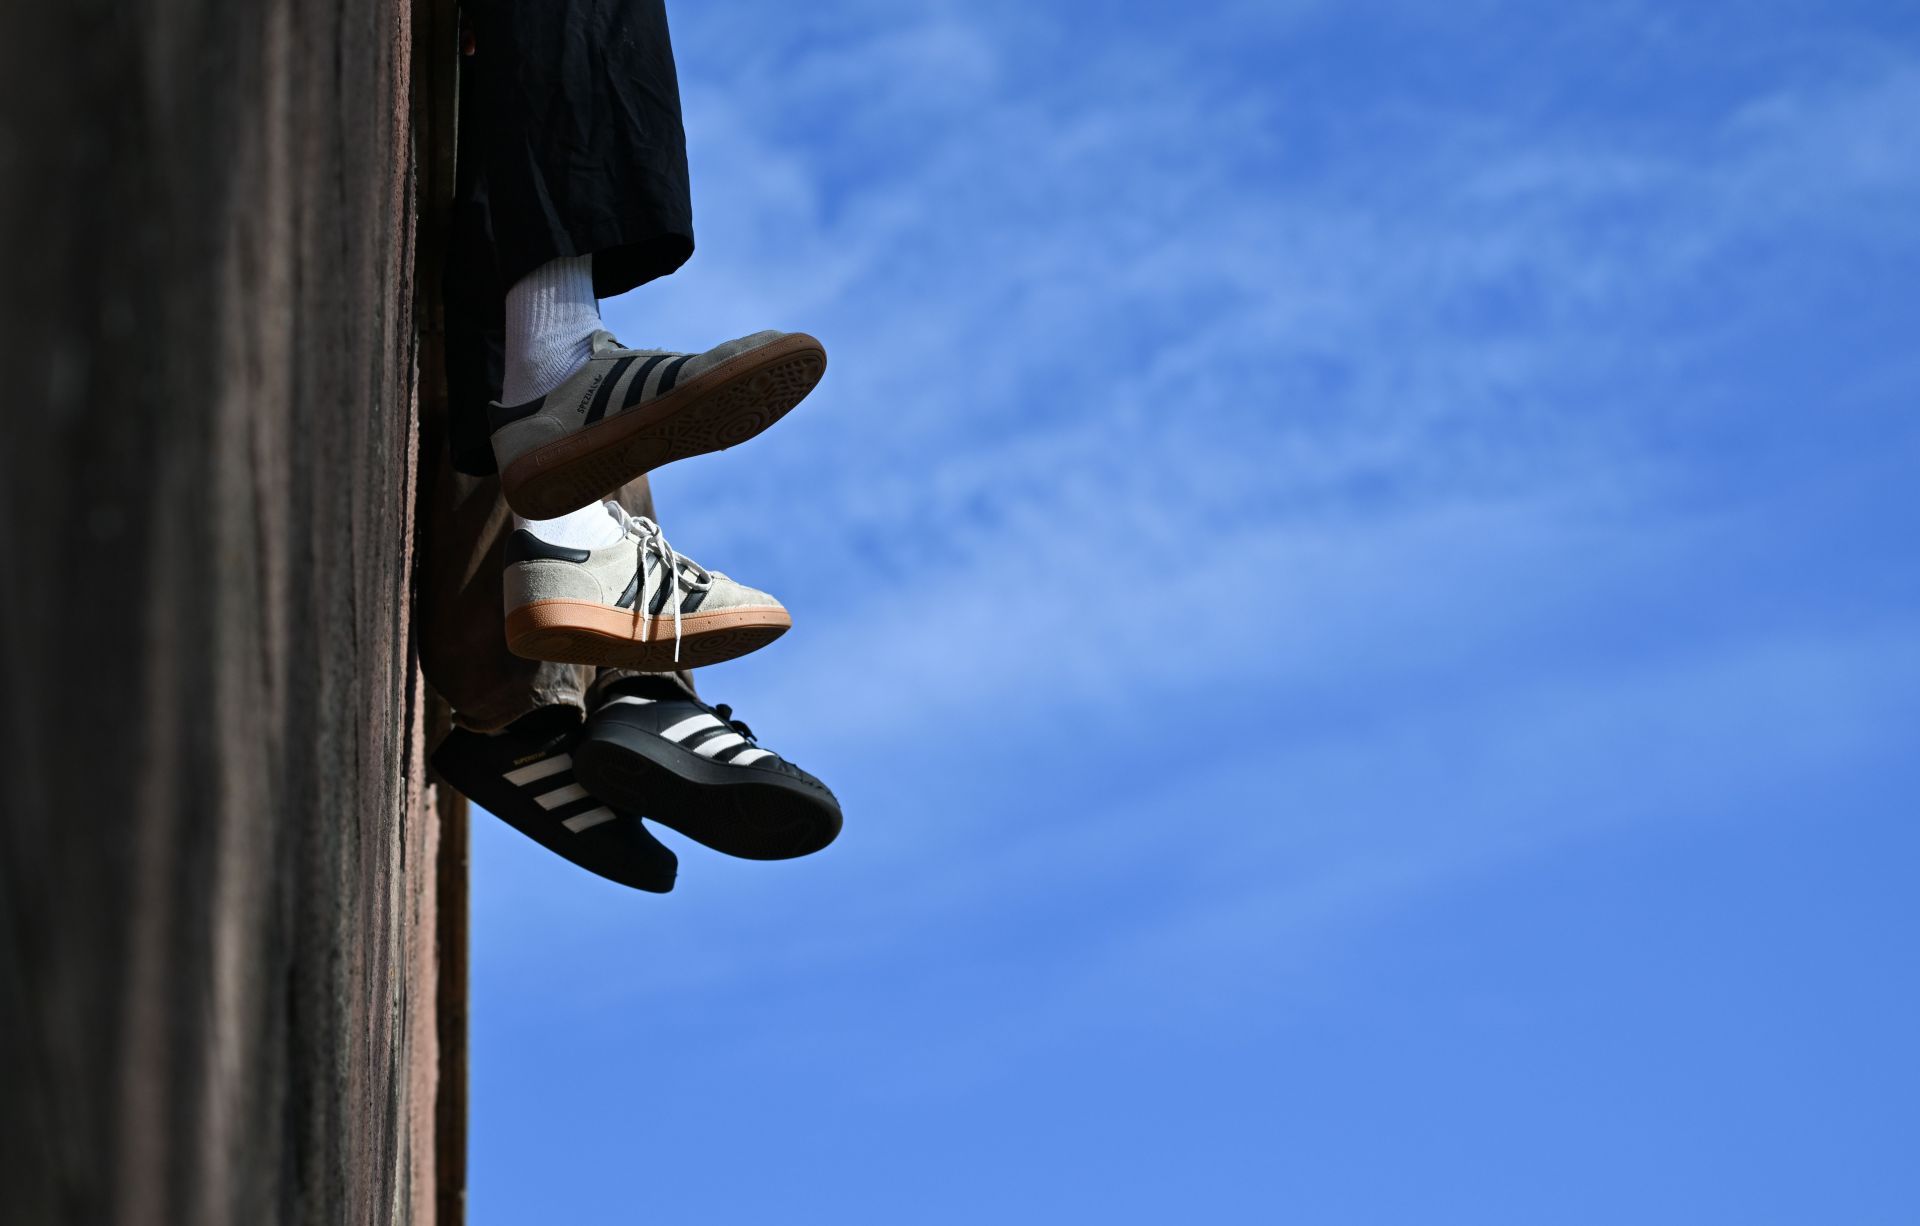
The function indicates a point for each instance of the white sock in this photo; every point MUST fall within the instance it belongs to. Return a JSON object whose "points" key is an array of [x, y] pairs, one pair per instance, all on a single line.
{"points": [[551, 318], [591, 527]]}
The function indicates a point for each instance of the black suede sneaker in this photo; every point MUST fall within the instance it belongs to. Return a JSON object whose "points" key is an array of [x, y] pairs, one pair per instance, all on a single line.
{"points": [[525, 777], [655, 749]]}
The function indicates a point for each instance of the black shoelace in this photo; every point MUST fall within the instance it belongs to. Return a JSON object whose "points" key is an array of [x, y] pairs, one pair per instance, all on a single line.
{"points": [[725, 712]]}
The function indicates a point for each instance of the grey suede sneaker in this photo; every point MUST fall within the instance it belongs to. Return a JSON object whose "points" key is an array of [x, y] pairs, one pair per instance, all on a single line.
{"points": [[632, 604], [628, 411]]}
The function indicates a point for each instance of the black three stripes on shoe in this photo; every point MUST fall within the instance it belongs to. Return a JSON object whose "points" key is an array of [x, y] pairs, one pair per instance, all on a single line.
{"points": [[525, 777], [655, 749], [639, 388]]}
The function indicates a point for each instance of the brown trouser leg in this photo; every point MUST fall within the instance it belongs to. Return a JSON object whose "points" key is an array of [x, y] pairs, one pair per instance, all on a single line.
{"points": [[461, 622]]}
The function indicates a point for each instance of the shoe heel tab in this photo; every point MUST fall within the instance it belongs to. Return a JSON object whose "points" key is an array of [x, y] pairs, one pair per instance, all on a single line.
{"points": [[524, 546], [499, 415]]}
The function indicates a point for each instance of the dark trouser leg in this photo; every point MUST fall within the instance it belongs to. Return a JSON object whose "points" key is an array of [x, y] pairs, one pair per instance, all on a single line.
{"points": [[461, 622], [581, 144], [570, 144]]}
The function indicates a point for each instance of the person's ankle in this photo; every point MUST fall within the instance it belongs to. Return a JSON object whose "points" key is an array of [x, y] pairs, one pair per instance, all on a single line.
{"points": [[591, 527], [551, 317]]}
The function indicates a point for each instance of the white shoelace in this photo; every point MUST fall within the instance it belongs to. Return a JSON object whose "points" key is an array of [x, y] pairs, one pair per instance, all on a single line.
{"points": [[652, 541]]}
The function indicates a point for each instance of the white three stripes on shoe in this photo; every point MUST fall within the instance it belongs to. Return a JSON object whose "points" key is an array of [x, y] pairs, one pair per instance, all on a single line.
{"points": [[633, 699], [540, 769], [713, 745], [690, 725], [724, 746], [561, 796], [551, 782], [589, 819]]}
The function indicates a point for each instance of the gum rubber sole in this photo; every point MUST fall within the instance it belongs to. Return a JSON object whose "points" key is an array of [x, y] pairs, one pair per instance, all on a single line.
{"points": [[720, 408], [732, 809], [586, 632]]}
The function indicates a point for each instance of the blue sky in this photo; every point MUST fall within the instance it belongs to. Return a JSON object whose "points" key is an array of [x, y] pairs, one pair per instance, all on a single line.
{"points": [[1354, 572]]}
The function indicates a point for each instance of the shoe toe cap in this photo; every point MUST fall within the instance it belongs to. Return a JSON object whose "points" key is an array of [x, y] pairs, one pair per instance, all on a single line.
{"points": [[625, 851], [726, 594], [731, 349]]}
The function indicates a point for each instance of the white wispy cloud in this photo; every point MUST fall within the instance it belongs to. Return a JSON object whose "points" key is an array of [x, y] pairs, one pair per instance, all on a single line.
{"points": [[1078, 356]]}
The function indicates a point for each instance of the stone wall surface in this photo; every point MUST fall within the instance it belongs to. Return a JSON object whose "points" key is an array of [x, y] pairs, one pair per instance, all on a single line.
{"points": [[218, 962]]}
